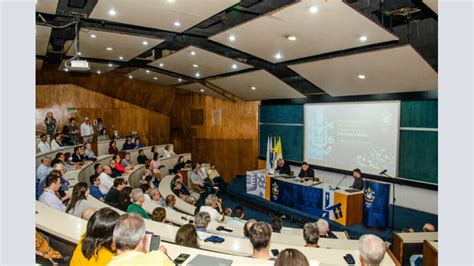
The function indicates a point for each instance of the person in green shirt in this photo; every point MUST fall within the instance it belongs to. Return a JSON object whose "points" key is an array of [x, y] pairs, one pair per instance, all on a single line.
{"points": [[137, 201]]}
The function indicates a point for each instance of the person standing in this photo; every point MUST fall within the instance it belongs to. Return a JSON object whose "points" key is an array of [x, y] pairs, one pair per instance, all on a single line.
{"points": [[87, 132], [50, 123], [71, 131]]}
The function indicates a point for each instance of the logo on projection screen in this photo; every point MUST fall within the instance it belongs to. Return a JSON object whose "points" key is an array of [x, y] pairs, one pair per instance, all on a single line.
{"points": [[322, 141]]}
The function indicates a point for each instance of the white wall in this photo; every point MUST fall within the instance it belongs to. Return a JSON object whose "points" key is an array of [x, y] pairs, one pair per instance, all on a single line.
{"points": [[406, 196]]}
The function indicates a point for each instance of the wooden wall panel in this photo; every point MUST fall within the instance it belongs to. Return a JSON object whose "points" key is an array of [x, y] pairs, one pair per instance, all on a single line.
{"points": [[232, 144], [152, 127], [114, 84]]}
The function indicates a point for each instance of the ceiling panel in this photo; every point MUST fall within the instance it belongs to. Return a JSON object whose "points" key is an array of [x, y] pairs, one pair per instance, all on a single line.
{"points": [[96, 68], [47, 6], [170, 15], [399, 69], [201, 89], [192, 61], [43, 33], [111, 45], [307, 28], [154, 77], [257, 85], [433, 4], [39, 64]]}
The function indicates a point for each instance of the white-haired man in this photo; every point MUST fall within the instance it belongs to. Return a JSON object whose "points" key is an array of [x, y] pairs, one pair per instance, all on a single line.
{"points": [[324, 230], [137, 201], [212, 202], [371, 250]]}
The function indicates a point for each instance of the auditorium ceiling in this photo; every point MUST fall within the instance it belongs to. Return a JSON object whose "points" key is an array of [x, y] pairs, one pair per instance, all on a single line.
{"points": [[249, 49]]}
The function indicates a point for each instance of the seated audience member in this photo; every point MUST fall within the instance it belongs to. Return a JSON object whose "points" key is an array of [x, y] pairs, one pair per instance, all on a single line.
{"points": [[119, 167], [170, 201], [283, 168], [116, 135], [324, 231], [113, 147], [78, 202], [177, 190], [103, 135], [311, 235], [43, 169], [358, 180], [429, 228], [95, 246], [228, 212], [156, 197], [56, 143], [106, 180], [260, 235], [201, 221], [150, 179], [128, 144], [112, 197], [78, 157], [141, 158], [276, 224], [125, 198], [408, 229], [95, 187], [59, 158], [89, 153], [187, 236], [184, 190], [190, 200], [306, 171], [291, 256], [68, 164], [179, 165], [98, 169], [247, 226], [137, 201], [126, 161], [58, 170], [87, 213], [212, 202], [168, 152], [238, 216], [216, 178], [43, 145], [146, 189], [188, 165], [138, 144], [197, 179], [115, 172], [159, 215], [371, 250], [48, 197], [155, 164], [131, 245]]}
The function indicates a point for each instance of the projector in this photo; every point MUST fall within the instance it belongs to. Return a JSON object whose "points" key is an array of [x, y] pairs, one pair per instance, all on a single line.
{"points": [[79, 65]]}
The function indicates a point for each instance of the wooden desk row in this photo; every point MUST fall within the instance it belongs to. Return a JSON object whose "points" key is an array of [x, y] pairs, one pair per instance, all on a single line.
{"points": [[407, 244]]}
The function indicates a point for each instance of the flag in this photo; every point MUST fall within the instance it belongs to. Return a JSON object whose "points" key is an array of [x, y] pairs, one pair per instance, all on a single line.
{"points": [[274, 152], [268, 159], [279, 150]]}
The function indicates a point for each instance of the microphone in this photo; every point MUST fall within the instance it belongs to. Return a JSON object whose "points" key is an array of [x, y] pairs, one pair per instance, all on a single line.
{"points": [[383, 172]]}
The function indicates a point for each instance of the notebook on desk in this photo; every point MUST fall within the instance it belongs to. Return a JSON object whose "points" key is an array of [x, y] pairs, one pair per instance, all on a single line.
{"points": [[352, 190], [200, 260]]}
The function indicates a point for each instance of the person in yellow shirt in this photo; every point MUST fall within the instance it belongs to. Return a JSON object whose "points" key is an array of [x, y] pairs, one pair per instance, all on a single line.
{"points": [[129, 239], [95, 246], [216, 178]]}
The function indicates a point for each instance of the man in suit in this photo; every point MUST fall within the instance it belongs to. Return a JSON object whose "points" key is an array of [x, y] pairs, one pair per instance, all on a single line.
{"points": [[306, 171], [283, 168], [358, 180]]}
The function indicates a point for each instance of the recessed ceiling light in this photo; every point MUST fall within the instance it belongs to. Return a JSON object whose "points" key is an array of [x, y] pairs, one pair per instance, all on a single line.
{"points": [[98, 72], [179, 80], [109, 48], [171, 1], [130, 76], [66, 69], [177, 24], [313, 9], [193, 53], [363, 38], [195, 65], [112, 12], [234, 66], [161, 65], [145, 43], [79, 53], [361, 76], [291, 38], [202, 90], [198, 75], [253, 88], [110, 65], [277, 55], [120, 57], [93, 35], [231, 38], [147, 71], [155, 78]]}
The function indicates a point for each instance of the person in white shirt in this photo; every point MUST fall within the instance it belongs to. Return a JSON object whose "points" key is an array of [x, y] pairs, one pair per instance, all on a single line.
{"points": [[87, 132], [56, 143], [168, 152], [238, 216], [212, 202], [201, 220], [48, 197], [44, 168], [106, 182], [43, 146]]}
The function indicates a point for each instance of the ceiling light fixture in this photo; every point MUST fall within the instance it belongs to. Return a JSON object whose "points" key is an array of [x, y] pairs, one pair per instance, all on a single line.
{"points": [[66, 69], [291, 38], [93, 36], [361, 76], [110, 65], [179, 80], [202, 90], [177, 24], [195, 65], [145, 43], [79, 53], [98, 72], [277, 55], [198, 75], [130, 76], [147, 71], [170, 1], [161, 65], [231, 38], [234, 66], [253, 88], [112, 12], [109, 48], [363, 38], [193, 53], [120, 57], [313, 9], [155, 78]]}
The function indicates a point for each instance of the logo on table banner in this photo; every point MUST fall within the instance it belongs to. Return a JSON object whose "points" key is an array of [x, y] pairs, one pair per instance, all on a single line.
{"points": [[369, 197], [335, 209], [275, 191], [255, 184]]}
